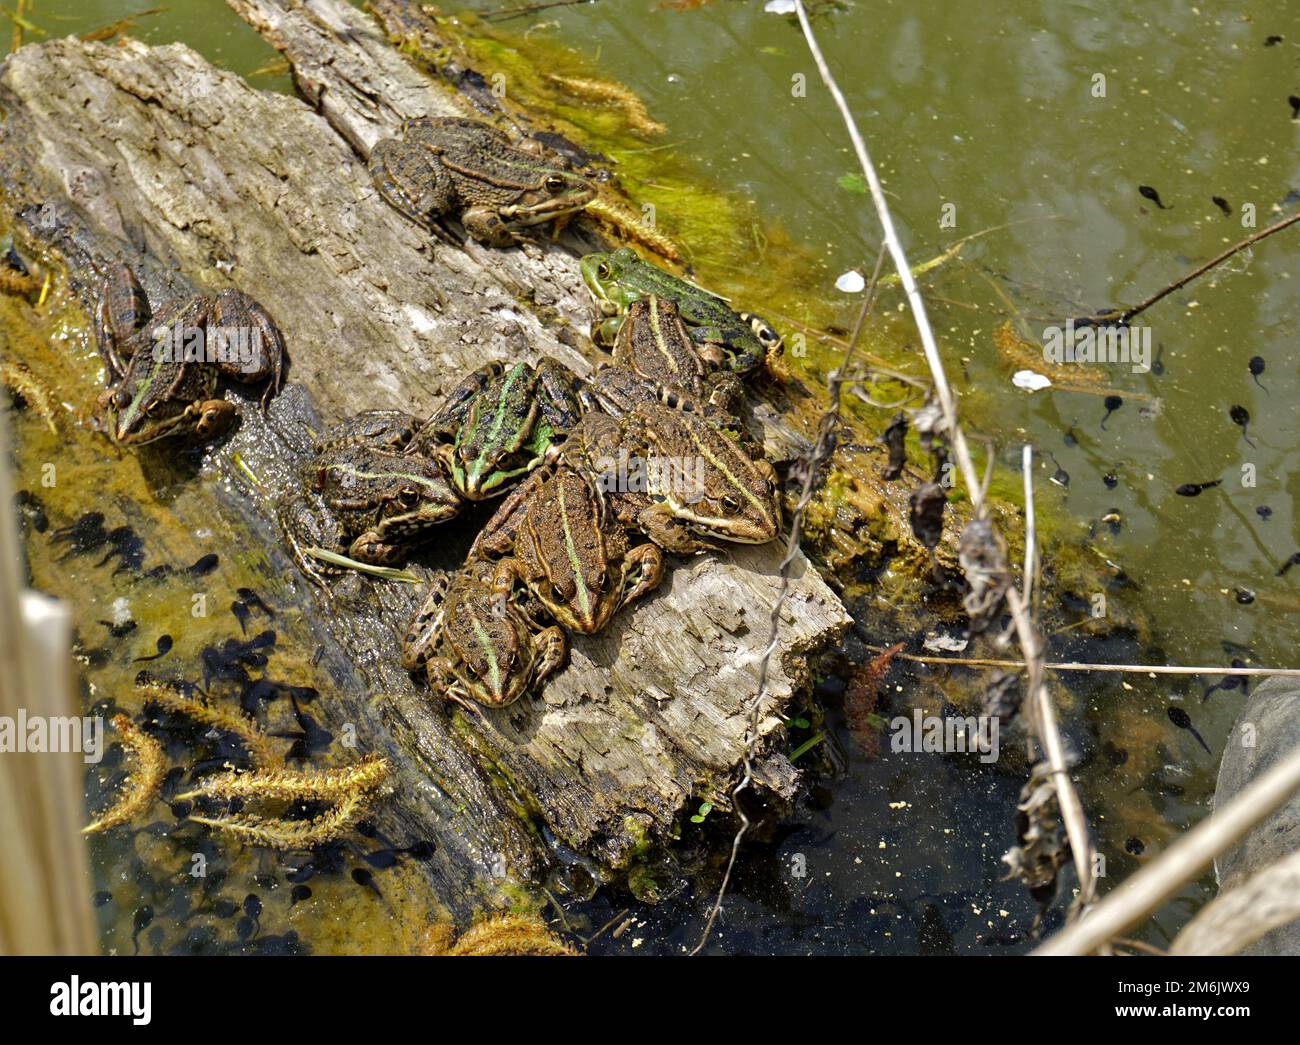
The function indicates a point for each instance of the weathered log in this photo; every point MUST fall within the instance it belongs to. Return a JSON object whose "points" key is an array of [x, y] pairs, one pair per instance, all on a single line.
{"points": [[151, 155]]}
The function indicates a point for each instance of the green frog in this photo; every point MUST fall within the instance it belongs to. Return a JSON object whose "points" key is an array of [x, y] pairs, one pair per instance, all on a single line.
{"points": [[560, 543], [734, 341], [451, 167], [369, 503], [677, 478], [471, 641], [500, 423], [164, 369]]}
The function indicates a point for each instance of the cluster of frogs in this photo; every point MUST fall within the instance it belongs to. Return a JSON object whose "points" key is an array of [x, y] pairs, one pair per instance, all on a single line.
{"points": [[650, 448]]}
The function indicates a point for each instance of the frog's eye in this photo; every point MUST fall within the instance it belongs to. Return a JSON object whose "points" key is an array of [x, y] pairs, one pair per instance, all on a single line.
{"points": [[730, 505], [121, 399], [554, 183], [470, 670], [557, 592], [601, 578], [602, 270], [152, 408], [409, 496]]}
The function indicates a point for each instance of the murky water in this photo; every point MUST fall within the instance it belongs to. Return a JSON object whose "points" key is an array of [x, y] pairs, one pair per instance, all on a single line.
{"points": [[1038, 123]]}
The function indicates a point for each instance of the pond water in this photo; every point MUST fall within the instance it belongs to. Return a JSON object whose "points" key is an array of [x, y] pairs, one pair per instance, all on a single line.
{"points": [[1038, 123]]}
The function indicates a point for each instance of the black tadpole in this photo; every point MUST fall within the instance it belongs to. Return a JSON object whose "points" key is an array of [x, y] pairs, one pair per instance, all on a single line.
{"points": [[1193, 489], [1222, 204], [1061, 477], [1295, 107], [1182, 720], [163, 645], [1256, 365], [1241, 418], [1149, 193], [1112, 403]]}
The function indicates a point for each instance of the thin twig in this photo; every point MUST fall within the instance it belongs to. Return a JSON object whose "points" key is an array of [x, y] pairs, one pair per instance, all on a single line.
{"points": [[1133, 669], [1044, 716], [1143, 893], [503, 13], [1120, 316]]}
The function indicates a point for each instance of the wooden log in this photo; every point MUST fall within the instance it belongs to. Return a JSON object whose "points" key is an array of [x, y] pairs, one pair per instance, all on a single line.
{"points": [[153, 156]]}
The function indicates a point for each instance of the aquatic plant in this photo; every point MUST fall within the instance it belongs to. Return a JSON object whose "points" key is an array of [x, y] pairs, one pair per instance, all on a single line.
{"points": [[141, 786], [498, 934]]}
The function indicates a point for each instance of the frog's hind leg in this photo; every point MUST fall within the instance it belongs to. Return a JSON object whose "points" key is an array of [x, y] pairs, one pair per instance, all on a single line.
{"points": [[412, 179], [249, 346], [122, 310]]}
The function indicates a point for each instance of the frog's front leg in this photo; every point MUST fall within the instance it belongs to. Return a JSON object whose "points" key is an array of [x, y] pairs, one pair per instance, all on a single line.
{"points": [[122, 310], [486, 225], [215, 416], [247, 343], [670, 533], [498, 534], [443, 683], [373, 548], [604, 331]]}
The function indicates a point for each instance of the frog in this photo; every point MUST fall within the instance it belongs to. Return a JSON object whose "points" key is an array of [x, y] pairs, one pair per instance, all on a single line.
{"points": [[655, 358], [473, 643], [164, 369], [445, 167], [738, 342], [500, 423], [677, 478], [555, 537], [364, 500]]}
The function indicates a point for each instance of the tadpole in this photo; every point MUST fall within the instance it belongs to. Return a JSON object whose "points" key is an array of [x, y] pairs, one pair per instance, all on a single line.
{"points": [[1193, 489], [1222, 204], [1182, 720], [1256, 365], [1061, 477], [1149, 193], [1112, 403], [1241, 418]]}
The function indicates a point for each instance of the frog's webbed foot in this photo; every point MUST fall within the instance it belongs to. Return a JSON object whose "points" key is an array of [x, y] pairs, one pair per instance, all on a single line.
{"points": [[645, 569], [554, 648], [248, 344], [122, 310]]}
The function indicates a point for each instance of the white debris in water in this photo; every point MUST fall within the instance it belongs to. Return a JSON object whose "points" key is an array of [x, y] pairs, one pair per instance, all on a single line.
{"points": [[945, 643], [779, 7], [851, 282], [120, 612], [1030, 380]]}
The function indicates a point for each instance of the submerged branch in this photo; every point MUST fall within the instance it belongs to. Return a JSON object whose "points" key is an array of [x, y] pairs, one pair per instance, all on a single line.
{"points": [[1122, 316]]}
